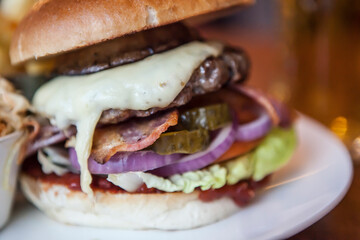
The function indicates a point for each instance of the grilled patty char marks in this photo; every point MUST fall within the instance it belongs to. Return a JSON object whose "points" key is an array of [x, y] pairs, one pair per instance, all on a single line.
{"points": [[231, 66], [124, 50]]}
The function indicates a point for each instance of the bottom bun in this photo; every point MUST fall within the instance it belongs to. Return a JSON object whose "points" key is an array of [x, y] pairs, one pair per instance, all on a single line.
{"points": [[165, 211]]}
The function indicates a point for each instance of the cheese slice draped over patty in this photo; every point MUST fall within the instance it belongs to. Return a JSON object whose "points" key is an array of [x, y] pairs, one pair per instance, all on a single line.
{"points": [[152, 82]]}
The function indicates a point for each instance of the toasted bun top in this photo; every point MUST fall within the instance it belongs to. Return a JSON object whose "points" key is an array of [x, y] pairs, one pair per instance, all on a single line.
{"points": [[53, 26]]}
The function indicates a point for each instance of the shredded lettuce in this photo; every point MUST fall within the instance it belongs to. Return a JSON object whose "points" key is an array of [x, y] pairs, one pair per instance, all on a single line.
{"points": [[54, 160], [213, 177], [239, 168], [48, 166], [274, 152]]}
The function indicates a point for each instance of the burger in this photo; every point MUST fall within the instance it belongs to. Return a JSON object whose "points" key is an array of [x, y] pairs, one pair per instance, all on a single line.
{"points": [[145, 124]]}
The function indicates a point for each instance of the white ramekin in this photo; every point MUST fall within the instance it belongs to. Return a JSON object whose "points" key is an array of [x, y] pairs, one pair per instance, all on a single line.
{"points": [[7, 195]]}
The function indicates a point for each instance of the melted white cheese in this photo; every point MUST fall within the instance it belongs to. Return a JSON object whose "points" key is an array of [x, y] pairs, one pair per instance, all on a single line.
{"points": [[152, 82]]}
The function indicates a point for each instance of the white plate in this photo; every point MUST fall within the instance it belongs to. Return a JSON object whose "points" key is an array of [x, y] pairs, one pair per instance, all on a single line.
{"points": [[301, 193]]}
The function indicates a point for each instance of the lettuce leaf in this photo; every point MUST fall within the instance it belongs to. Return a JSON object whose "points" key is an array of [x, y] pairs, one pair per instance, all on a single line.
{"points": [[238, 169], [274, 152]]}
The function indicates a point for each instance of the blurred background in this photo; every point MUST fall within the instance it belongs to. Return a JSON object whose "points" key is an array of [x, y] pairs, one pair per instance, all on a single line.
{"points": [[304, 52]]}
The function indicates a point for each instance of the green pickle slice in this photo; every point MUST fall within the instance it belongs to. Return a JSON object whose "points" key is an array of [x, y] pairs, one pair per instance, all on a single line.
{"points": [[209, 117], [181, 142], [191, 134]]}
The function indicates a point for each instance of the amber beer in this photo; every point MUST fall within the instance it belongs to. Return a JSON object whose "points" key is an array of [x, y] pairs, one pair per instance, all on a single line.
{"points": [[323, 63]]}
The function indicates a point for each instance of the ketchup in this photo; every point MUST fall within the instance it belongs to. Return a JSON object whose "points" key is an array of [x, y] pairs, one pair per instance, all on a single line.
{"points": [[72, 180], [241, 192]]}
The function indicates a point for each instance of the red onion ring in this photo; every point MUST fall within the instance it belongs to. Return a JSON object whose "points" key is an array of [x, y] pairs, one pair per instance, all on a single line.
{"points": [[166, 165], [254, 129], [285, 114], [222, 142], [261, 99], [126, 162], [279, 113], [49, 135]]}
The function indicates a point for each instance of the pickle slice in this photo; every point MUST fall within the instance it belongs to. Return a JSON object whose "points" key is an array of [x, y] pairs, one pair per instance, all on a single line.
{"points": [[181, 142], [209, 117]]}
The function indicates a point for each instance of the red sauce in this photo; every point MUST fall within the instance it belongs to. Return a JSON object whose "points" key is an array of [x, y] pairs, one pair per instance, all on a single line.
{"points": [[241, 192], [72, 180]]}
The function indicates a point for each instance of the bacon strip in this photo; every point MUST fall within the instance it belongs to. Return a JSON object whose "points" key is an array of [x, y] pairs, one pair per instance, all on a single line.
{"points": [[130, 136]]}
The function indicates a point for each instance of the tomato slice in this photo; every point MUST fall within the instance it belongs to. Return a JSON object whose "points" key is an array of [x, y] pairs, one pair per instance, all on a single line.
{"points": [[238, 148]]}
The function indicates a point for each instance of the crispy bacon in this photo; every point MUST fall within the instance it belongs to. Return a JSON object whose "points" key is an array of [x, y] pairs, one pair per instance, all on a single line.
{"points": [[133, 135]]}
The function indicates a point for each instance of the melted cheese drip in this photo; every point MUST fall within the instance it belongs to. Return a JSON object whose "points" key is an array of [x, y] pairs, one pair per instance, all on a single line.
{"points": [[152, 82]]}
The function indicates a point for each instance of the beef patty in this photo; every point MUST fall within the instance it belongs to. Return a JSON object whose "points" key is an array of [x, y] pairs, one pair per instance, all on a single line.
{"points": [[123, 50], [231, 66]]}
